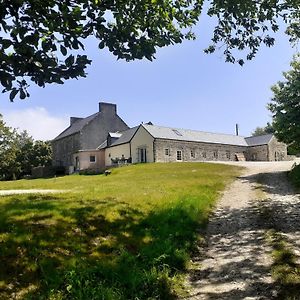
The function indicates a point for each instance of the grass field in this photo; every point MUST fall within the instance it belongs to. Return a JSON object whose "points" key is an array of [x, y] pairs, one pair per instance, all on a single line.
{"points": [[125, 236]]}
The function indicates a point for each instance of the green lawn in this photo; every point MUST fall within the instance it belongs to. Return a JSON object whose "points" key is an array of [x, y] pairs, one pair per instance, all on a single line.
{"points": [[124, 236]]}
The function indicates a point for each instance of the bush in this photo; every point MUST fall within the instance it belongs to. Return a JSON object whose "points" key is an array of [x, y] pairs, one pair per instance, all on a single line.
{"points": [[294, 175], [90, 172]]}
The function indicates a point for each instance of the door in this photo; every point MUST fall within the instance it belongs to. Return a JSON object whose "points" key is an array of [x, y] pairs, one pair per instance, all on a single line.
{"points": [[142, 155], [77, 166]]}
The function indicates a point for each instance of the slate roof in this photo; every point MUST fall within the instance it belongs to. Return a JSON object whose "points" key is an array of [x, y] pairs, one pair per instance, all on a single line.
{"points": [[259, 140], [126, 136], [103, 145], [194, 135], [76, 126]]}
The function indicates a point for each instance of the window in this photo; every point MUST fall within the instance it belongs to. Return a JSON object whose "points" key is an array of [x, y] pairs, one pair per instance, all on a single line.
{"points": [[92, 158], [215, 154], [192, 153], [179, 155], [228, 154], [204, 154], [167, 152]]}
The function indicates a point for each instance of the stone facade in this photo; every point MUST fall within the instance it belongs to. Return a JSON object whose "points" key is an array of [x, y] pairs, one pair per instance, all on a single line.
{"points": [[277, 150], [63, 149], [258, 153], [89, 133], [273, 151], [194, 151]]}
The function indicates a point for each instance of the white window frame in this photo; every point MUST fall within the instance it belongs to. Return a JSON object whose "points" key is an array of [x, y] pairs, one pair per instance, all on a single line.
{"points": [[167, 152], [177, 152], [93, 162]]}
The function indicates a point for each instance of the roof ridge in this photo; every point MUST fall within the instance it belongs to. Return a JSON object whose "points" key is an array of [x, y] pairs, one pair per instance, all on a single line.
{"points": [[254, 136], [76, 123], [185, 129]]}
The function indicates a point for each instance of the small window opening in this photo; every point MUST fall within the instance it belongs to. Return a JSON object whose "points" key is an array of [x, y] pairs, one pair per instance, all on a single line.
{"points": [[192, 153]]}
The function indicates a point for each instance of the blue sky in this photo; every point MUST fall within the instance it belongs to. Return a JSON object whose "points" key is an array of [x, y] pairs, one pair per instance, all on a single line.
{"points": [[182, 88]]}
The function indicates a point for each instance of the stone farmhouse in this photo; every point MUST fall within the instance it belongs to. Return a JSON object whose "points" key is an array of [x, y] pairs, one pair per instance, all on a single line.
{"points": [[103, 139]]}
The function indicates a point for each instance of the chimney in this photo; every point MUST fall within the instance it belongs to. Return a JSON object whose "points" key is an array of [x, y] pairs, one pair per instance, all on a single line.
{"points": [[237, 129], [74, 119], [108, 108]]}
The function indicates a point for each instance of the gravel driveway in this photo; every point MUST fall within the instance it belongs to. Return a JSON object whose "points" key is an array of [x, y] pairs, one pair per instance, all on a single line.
{"points": [[234, 262]]}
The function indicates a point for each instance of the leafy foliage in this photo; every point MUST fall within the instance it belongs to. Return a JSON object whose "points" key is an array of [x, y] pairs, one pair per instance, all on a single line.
{"points": [[285, 106], [8, 151], [40, 36], [294, 175], [263, 130], [20, 153], [42, 40], [248, 24]]}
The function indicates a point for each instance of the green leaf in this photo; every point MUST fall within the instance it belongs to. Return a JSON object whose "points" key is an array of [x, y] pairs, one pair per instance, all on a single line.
{"points": [[13, 94], [69, 61], [63, 50], [101, 45], [22, 94]]}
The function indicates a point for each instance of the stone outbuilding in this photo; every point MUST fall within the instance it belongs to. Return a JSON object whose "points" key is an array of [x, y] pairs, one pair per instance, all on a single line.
{"points": [[151, 143]]}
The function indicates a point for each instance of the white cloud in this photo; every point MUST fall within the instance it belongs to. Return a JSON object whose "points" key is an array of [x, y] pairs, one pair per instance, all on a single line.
{"points": [[37, 121]]}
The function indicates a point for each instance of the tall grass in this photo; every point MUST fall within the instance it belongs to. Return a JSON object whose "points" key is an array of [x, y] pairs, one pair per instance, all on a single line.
{"points": [[124, 236]]}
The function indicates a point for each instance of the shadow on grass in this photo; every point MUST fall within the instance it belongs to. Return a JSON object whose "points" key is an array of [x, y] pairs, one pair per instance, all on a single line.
{"points": [[53, 251]]}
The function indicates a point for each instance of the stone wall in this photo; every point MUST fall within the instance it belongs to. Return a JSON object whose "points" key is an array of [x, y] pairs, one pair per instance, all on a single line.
{"points": [[96, 131], [90, 137], [194, 151], [277, 150], [64, 148], [258, 153]]}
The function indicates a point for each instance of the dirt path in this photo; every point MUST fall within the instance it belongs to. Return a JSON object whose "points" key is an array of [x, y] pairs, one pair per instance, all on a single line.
{"points": [[32, 191], [234, 262]]}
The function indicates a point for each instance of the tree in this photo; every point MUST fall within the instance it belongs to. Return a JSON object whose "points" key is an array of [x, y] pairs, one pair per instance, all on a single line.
{"points": [[20, 153], [41, 154], [41, 40], [9, 168], [285, 106], [263, 130]]}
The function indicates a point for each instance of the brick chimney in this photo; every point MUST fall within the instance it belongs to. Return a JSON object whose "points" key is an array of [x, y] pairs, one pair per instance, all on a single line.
{"points": [[108, 108]]}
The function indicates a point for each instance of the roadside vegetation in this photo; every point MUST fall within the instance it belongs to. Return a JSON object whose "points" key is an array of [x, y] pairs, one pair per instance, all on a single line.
{"points": [[285, 269], [123, 236], [294, 176]]}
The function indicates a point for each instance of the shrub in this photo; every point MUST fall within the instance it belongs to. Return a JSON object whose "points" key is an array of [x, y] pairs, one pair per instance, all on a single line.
{"points": [[294, 175]]}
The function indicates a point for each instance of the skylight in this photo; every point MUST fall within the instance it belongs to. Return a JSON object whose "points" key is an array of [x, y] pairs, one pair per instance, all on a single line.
{"points": [[177, 132]]}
